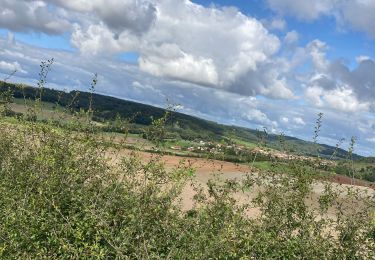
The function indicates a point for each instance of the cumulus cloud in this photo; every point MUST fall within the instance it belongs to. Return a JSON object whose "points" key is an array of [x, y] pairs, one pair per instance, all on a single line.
{"points": [[316, 50], [269, 80], [294, 122], [332, 84], [342, 99], [119, 15], [98, 39], [354, 14], [278, 24], [35, 16], [302, 9], [299, 121], [284, 120], [183, 66], [212, 46], [361, 79], [361, 58], [359, 15], [216, 47], [345, 100], [275, 24], [291, 38], [8, 67]]}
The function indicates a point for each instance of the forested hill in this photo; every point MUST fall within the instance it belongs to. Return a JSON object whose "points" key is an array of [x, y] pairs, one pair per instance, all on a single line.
{"points": [[187, 127]]}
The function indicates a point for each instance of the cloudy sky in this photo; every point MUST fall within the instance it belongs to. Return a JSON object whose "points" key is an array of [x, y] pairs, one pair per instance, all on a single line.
{"points": [[253, 63]]}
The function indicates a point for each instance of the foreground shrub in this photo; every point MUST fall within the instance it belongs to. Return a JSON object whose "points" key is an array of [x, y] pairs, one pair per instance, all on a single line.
{"points": [[61, 197]]}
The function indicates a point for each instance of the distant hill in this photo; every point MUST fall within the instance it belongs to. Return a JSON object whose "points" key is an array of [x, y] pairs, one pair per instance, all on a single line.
{"points": [[186, 126]]}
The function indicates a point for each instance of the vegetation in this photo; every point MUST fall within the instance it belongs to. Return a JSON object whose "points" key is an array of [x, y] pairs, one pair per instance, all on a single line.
{"points": [[364, 171], [65, 193], [179, 126]]}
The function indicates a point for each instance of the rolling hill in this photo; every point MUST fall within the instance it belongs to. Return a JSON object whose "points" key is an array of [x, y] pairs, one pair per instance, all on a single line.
{"points": [[187, 127]]}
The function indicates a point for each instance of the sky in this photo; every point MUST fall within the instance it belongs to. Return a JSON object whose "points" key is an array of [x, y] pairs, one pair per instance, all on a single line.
{"points": [[252, 63]]}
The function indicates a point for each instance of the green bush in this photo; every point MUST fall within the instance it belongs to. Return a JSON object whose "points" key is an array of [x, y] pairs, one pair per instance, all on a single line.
{"points": [[60, 198]]}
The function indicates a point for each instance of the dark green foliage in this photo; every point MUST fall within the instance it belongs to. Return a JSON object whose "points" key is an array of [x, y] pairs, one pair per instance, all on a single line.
{"points": [[363, 171], [61, 199]]}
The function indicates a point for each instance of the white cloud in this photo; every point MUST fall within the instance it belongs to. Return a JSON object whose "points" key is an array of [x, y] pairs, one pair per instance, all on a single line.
{"points": [[302, 9], [354, 14], [278, 24], [314, 95], [8, 67], [291, 38], [278, 89], [284, 120], [317, 50], [345, 100], [299, 121], [119, 15], [31, 16], [184, 66], [342, 99], [98, 39], [275, 24], [359, 15], [11, 38], [255, 115], [213, 46], [361, 58], [331, 84], [208, 46]]}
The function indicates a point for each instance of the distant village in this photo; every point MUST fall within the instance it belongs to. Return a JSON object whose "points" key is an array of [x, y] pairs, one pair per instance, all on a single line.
{"points": [[210, 147], [236, 149]]}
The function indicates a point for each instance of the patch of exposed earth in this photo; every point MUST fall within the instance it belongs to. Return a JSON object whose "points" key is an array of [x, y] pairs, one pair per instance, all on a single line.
{"points": [[206, 169]]}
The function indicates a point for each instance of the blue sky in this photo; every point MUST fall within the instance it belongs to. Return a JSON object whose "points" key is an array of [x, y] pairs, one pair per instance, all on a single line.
{"points": [[273, 63], [344, 44]]}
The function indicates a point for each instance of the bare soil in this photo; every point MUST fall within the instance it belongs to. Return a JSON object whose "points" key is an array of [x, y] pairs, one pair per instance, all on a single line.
{"points": [[206, 169]]}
